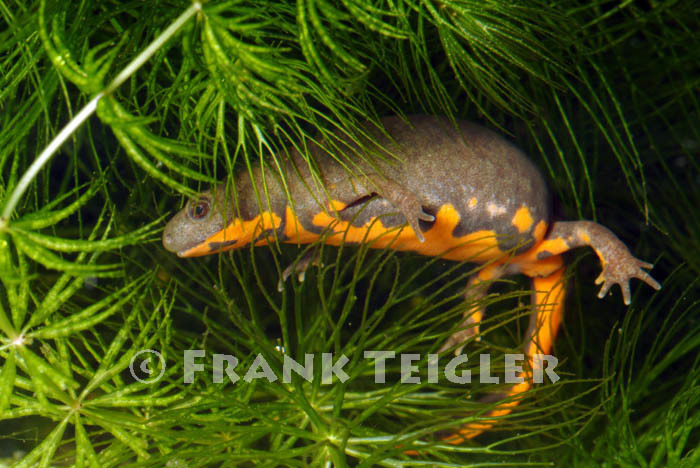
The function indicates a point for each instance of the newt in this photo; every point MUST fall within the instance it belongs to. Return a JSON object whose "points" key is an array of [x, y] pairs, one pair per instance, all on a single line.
{"points": [[459, 191]]}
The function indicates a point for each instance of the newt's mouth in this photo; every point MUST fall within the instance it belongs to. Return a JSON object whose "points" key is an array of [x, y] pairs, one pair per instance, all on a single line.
{"points": [[173, 242], [207, 248], [216, 246]]}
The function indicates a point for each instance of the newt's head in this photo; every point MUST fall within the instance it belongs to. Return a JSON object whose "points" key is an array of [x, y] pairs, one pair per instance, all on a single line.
{"points": [[207, 224], [203, 217]]}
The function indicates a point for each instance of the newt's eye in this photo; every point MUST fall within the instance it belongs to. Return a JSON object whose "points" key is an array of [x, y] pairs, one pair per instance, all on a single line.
{"points": [[199, 210]]}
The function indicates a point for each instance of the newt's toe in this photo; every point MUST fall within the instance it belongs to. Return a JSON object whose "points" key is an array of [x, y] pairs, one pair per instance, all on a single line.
{"points": [[416, 214], [423, 216], [312, 257], [468, 329], [621, 271]]}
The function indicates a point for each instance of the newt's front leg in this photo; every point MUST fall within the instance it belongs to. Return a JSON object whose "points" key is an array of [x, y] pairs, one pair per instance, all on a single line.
{"points": [[619, 265], [406, 202]]}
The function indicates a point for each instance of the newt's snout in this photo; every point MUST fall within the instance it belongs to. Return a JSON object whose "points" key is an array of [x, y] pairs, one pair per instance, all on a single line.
{"points": [[193, 225], [177, 235], [170, 240]]}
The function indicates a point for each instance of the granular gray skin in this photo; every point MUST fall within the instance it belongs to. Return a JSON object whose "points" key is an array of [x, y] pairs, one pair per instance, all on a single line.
{"points": [[439, 164], [425, 158]]}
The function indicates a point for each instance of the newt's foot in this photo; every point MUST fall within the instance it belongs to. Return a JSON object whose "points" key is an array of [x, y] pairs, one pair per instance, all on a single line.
{"points": [[406, 202], [468, 328], [312, 257], [419, 215], [619, 266], [620, 271], [412, 209]]}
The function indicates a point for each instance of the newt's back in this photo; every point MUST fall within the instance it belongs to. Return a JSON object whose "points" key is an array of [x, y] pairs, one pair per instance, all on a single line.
{"points": [[484, 178]]}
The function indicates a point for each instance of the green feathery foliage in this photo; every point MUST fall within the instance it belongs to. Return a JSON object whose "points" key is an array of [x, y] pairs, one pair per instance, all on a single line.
{"points": [[602, 95]]}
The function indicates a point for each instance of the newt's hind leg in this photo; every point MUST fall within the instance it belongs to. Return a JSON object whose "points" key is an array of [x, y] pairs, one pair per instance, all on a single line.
{"points": [[543, 263], [548, 309], [477, 288]]}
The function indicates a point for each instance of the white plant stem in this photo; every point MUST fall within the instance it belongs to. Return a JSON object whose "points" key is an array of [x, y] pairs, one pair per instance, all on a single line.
{"points": [[88, 110]]}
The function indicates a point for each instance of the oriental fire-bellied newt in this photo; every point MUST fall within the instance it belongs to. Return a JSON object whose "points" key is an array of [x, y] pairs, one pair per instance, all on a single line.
{"points": [[460, 191]]}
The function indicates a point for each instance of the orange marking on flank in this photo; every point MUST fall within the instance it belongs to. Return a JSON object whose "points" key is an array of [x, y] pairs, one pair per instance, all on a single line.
{"points": [[540, 231], [294, 232], [478, 246], [522, 219], [530, 265], [337, 205], [243, 232]]}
